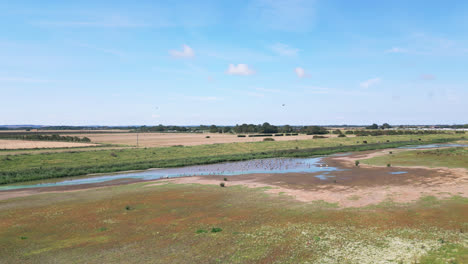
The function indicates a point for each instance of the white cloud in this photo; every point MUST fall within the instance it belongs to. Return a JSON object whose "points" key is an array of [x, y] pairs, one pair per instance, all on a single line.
{"points": [[370, 82], [428, 77], [187, 52], [284, 50], [396, 50], [239, 69], [300, 72]]}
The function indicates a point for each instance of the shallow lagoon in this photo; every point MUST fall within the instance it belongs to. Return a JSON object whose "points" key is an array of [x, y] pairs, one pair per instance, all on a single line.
{"points": [[274, 165]]}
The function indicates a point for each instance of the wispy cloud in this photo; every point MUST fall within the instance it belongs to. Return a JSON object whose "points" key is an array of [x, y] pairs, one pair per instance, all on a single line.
{"points": [[112, 21], [427, 77], [187, 52], [104, 50], [370, 82], [239, 69], [300, 72], [317, 90], [267, 90], [255, 94], [204, 98], [285, 15], [284, 50], [23, 80], [396, 50]]}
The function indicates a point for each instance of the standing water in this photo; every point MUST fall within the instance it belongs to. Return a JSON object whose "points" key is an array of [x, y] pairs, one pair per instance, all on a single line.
{"points": [[275, 165]]}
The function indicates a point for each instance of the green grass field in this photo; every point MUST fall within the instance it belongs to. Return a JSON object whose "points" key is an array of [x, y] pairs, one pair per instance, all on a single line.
{"points": [[447, 157], [208, 224], [35, 166]]}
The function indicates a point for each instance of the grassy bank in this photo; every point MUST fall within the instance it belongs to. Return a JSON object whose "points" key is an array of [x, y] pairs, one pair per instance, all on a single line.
{"points": [[208, 224], [27, 167], [449, 157]]}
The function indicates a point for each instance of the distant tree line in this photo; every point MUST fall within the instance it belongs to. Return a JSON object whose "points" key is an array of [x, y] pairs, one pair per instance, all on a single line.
{"points": [[375, 126], [392, 132], [47, 138]]}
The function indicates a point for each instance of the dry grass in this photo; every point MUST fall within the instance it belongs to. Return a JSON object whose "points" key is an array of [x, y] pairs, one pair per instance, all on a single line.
{"points": [[186, 139], [27, 144]]}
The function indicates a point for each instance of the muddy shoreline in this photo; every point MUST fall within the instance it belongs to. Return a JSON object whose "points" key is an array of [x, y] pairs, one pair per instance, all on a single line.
{"points": [[351, 186]]}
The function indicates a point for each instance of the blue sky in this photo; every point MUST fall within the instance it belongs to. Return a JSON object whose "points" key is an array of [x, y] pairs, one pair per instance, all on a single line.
{"points": [[227, 62]]}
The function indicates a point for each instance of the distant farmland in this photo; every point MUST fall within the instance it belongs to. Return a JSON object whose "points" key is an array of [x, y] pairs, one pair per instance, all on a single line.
{"points": [[29, 144], [185, 139]]}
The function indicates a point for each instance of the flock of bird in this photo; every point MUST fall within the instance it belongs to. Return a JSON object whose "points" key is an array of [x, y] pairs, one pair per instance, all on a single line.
{"points": [[244, 167]]}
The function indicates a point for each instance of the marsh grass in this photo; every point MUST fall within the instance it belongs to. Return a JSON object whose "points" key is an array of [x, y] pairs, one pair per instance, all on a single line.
{"points": [[456, 157]]}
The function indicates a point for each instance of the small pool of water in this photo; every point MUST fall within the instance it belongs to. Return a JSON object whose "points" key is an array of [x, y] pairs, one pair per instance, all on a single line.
{"points": [[398, 172], [275, 165], [433, 146]]}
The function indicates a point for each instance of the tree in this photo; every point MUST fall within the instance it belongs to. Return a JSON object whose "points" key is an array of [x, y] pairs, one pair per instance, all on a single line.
{"points": [[286, 129], [373, 126], [337, 132], [213, 129], [267, 128], [386, 126], [314, 130]]}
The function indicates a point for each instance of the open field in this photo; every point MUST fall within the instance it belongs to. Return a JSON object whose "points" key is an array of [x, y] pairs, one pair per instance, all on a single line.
{"points": [[184, 139], [28, 144], [25, 167], [362, 215], [73, 131], [173, 223]]}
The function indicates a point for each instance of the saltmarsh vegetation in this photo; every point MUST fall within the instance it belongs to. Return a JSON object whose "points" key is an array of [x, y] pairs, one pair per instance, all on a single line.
{"points": [[456, 157], [27, 167], [255, 228]]}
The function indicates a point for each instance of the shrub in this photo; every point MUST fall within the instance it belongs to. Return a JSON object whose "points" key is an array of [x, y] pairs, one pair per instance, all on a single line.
{"points": [[113, 155], [319, 136], [222, 184], [365, 141], [128, 208], [390, 152], [337, 131], [240, 135], [349, 132], [207, 137], [268, 139], [356, 163], [341, 135], [388, 165], [225, 179], [201, 231], [216, 230], [279, 135]]}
